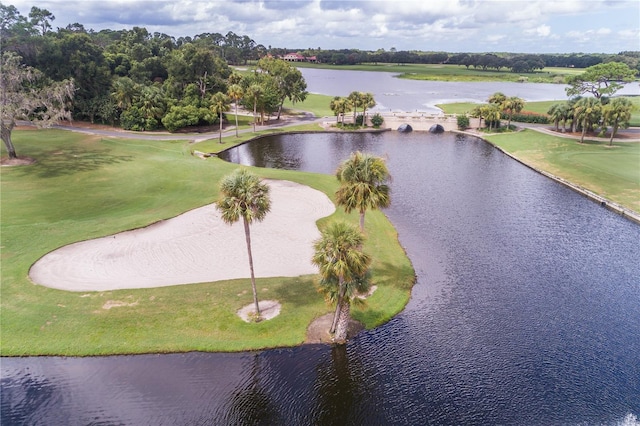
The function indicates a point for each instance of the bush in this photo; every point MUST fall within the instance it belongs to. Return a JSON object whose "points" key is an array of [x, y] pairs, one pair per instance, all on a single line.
{"points": [[377, 120], [463, 122], [527, 117], [360, 120], [184, 116]]}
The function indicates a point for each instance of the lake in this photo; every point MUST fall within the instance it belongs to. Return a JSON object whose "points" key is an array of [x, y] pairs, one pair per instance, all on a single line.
{"points": [[526, 310]]}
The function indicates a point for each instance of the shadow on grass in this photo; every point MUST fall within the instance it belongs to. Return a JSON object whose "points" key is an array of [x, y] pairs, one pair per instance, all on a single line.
{"points": [[71, 160], [292, 293]]}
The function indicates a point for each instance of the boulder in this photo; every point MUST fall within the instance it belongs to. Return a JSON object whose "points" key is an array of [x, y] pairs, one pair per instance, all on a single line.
{"points": [[405, 128], [436, 128]]}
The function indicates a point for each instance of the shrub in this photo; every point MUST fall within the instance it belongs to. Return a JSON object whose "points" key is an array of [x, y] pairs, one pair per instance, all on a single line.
{"points": [[377, 120], [527, 117], [463, 122], [185, 116], [359, 120]]}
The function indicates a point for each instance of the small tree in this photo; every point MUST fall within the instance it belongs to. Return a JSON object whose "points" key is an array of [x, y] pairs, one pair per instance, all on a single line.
{"points": [[377, 120], [603, 79], [462, 121]]}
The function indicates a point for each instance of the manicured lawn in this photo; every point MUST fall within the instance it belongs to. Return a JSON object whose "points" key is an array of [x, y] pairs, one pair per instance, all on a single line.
{"points": [[85, 187], [613, 172]]}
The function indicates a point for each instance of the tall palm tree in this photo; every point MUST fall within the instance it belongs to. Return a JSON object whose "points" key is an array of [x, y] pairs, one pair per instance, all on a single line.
{"points": [[343, 270], [363, 184], [512, 105], [244, 195], [339, 106], [367, 102], [497, 98], [355, 100], [236, 93], [617, 113], [254, 92], [588, 112], [220, 103]]}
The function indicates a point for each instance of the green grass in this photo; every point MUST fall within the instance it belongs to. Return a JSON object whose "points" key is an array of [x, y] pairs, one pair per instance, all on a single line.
{"points": [[85, 187], [540, 107], [454, 72], [316, 104], [613, 172]]}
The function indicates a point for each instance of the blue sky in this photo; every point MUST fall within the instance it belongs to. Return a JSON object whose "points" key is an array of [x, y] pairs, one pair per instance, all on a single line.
{"points": [[529, 26]]}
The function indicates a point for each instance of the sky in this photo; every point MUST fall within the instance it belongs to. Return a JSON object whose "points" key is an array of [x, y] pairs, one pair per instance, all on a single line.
{"points": [[523, 26]]}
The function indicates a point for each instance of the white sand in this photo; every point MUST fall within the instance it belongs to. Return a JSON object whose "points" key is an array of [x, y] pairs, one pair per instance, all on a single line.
{"points": [[194, 247]]}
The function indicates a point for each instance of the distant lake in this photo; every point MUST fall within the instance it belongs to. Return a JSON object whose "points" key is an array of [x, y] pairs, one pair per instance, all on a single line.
{"points": [[398, 94]]}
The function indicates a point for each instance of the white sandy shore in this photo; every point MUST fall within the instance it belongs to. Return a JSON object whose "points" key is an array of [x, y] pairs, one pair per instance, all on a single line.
{"points": [[194, 247]]}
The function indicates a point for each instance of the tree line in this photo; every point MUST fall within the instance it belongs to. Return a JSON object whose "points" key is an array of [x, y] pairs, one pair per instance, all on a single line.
{"points": [[518, 63]]}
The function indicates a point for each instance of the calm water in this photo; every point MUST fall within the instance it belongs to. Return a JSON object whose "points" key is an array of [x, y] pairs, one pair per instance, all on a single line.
{"points": [[398, 94], [526, 312]]}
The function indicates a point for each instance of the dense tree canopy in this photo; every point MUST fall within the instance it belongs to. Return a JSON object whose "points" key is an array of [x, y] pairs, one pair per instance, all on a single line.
{"points": [[141, 80]]}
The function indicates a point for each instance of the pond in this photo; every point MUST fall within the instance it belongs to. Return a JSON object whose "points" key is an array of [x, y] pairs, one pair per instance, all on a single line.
{"points": [[397, 94], [525, 311]]}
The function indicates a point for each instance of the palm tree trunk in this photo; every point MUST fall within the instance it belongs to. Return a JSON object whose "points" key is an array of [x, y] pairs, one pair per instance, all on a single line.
{"points": [[340, 335], [255, 107], [362, 220], [584, 130], [247, 235], [336, 315], [6, 138], [220, 134], [236, 118]]}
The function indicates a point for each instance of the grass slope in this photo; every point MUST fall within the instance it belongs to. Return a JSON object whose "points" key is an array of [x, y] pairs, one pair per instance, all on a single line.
{"points": [[613, 172], [85, 187]]}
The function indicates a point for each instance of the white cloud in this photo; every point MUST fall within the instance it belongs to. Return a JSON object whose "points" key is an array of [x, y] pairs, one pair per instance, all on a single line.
{"points": [[453, 25], [540, 31]]}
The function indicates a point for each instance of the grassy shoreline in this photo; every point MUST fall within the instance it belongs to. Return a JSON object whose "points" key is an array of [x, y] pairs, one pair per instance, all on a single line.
{"points": [[85, 187]]}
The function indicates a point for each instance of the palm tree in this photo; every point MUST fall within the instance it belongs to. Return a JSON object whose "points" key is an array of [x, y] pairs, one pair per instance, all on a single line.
{"points": [[512, 105], [497, 98], [254, 92], [363, 184], [617, 113], [236, 93], [588, 112], [355, 100], [343, 270], [220, 103], [244, 195], [367, 102], [555, 112], [339, 106]]}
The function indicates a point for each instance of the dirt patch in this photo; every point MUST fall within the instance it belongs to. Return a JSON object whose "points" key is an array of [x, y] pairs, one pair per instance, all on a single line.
{"points": [[318, 330], [20, 161], [269, 309], [117, 304]]}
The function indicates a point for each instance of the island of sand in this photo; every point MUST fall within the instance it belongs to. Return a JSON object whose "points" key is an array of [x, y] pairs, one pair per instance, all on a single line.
{"points": [[194, 247]]}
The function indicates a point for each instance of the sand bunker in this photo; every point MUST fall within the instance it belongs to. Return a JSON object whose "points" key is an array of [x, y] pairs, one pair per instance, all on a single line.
{"points": [[194, 247]]}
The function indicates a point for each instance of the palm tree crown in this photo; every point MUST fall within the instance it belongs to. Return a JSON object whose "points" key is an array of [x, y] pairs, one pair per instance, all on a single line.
{"points": [[363, 184]]}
